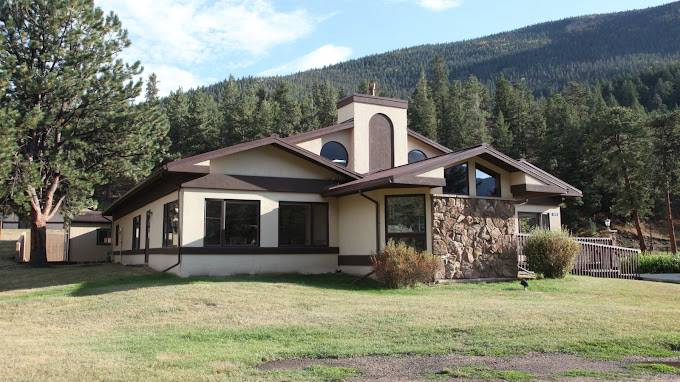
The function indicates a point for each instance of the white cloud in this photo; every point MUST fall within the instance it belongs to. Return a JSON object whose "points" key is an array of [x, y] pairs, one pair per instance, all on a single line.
{"points": [[325, 55], [185, 34], [439, 5], [170, 78]]}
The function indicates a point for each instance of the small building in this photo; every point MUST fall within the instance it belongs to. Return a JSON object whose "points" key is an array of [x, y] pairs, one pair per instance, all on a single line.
{"points": [[326, 200], [87, 238]]}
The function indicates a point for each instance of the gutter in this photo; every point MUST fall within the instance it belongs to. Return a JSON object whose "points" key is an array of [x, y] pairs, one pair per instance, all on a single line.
{"points": [[179, 234], [377, 220]]}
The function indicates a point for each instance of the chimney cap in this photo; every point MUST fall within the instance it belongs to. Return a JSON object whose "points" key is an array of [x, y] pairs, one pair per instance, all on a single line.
{"points": [[373, 100]]}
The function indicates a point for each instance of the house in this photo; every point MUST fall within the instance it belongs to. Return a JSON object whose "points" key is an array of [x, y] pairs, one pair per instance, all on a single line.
{"points": [[87, 238], [325, 200]]}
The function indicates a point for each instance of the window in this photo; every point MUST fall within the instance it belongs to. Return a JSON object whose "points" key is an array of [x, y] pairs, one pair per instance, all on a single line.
{"points": [[488, 182], [170, 224], [416, 156], [232, 223], [528, 221], [303, 224], [136, 227], [103, 236], [335, 152], [457, 181], [117, 233], [405, 220]]}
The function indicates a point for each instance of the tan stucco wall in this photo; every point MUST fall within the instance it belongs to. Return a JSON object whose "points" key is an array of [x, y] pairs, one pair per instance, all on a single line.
{"points": [[343, 137], [415, 144], [362, 114], [554, 211], [269, 161], [522, 178], [83, 244], [219, 265], [156, 230], [194, 208]]}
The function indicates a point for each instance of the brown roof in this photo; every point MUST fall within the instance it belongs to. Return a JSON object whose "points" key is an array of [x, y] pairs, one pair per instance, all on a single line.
{"points": [[90, 217], [373, 100], [571, 190], [429, 142], [320, 132]]}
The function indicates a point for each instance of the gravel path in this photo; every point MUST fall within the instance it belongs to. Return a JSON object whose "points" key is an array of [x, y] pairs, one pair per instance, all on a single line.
{"points": [[415, 368]]}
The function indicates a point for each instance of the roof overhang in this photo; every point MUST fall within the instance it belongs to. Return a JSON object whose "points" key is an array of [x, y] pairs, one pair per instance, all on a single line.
{"points": [[385, 182], [260, 183]]}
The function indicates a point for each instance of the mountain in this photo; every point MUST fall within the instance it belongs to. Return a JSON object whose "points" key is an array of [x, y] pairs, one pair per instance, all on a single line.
{"points": [[546, 56]]}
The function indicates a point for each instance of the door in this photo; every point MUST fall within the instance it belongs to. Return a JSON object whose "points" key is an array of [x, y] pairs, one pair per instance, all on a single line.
{"points": [[147, 229]]}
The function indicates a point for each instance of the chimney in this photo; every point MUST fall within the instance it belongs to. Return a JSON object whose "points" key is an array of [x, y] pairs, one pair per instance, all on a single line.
{"points": [[371, 88]]}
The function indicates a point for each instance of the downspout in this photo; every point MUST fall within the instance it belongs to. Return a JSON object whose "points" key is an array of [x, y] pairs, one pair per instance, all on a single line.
{"points": [[179, 233], [112, 233], [377, 220]]}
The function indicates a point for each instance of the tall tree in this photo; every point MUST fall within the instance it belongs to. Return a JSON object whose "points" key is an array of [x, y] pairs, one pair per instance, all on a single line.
{"points": [[288, 113], [152, 88], [502, 137], [325, 97], [666, 132], [203, 124], [76, 125], [623, 146], [440, 89], [421, 111]]}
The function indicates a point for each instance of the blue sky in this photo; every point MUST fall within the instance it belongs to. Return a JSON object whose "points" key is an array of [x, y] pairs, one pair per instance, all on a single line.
{"points": [[197, 42]]}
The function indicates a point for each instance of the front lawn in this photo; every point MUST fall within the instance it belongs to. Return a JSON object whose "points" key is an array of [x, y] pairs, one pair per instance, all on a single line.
{"points": [[109, 322]]}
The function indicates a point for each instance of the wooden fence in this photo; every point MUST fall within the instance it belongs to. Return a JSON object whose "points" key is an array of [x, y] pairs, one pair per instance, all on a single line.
{"points": [[596, 258]]}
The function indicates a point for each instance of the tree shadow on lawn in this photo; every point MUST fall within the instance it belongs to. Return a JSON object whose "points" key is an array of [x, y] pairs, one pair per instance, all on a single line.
{"points": [[334, 281]]}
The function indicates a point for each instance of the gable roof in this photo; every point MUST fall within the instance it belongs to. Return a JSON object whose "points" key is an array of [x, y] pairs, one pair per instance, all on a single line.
{"points": [[429, 141], [189, 164], [402, 174], [316, 133]]}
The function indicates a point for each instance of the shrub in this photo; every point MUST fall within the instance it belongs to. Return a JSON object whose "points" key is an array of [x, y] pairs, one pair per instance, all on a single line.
{"points": [[400, 265], [551, 253], [656, 262]]}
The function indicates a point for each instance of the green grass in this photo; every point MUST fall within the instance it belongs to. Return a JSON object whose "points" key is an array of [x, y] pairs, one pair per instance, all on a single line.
{"points": [[485, 373], [655, 368], [110, 322], [599, 375]]}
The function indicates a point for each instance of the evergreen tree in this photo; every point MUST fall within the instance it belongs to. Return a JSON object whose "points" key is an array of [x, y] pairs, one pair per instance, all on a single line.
{"points": [[176, 108], [421, 111], [325, 97], [152, 88], [440, 90], [309, 119], [287, 110], [75, 125], [203, 125], [666, 133], [623, 145], [232, 129], [502, 134]]}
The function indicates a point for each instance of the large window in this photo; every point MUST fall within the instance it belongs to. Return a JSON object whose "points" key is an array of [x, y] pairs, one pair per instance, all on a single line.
{"points": [[232, 223], [335, 152], [405, 220], [170, 224], [457, 180], [103, 236], [416, 156], [303, 224], [528, 221], [488, 182], [136, 231]]}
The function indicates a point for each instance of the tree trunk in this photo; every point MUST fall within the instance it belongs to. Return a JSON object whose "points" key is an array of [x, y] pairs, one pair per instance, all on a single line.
{"points": [[671, 226], [638, 228], [38, 240]]}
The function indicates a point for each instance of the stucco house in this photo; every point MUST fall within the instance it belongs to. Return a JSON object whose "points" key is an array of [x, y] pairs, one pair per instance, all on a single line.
{"points": [[325, 200]]}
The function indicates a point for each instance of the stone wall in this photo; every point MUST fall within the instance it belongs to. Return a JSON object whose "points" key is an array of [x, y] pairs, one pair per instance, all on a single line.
{"points": [[474, 237]]}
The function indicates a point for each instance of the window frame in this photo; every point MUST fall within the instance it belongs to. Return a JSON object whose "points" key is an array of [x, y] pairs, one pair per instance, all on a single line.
{"points": [[467, 179], [407, 234], [117, 239], [164, 243], [136, 234], [343, 148], [101, 237], [223, 222], [418, 150], [542, 220], [311, 204], [493, 174]]}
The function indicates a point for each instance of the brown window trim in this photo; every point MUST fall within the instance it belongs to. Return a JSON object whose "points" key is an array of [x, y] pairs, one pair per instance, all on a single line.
{"points": [[222, 243], [406, 234], [101, 236], [328, 218], [136, 240], [164, 243]]}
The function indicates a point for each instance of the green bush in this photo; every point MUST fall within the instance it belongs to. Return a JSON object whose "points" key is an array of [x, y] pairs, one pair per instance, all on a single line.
{"points": [[658, 262], [400, 265], [551, 253]]}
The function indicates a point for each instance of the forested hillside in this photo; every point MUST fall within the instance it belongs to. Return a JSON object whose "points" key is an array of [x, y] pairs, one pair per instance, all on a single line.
{"points": [[547, 56]]}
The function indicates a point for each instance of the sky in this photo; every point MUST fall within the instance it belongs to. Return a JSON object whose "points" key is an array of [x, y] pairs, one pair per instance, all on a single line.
{"points": [[189, 43]]}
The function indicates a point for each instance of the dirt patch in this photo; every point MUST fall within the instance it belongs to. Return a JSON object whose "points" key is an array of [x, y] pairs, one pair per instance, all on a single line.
{"points": [[545, 367]]}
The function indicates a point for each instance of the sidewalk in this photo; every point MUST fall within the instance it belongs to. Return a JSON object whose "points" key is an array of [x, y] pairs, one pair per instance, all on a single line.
{"points": [[661, 277]]}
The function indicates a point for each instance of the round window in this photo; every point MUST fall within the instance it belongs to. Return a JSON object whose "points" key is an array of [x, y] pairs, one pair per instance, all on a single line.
{"points": [[335, 152], [416, 156]]}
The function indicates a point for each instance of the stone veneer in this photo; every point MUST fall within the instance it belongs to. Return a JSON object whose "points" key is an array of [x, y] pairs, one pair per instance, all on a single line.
{"points": [[474, 237]]}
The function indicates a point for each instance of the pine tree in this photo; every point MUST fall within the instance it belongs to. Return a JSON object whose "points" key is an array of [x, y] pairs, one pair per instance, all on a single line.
{"points": [[440, 90], [231, 130], [203, 124], [666, 133], [325, 97], [502, 134], [623, 146], [152, 88], [287, 110], [176, 108], [421, 111], [76, 125]]}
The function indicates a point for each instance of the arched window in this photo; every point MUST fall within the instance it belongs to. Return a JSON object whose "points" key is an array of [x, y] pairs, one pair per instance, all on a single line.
{"points": [[416, 156], [335, 152]]}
